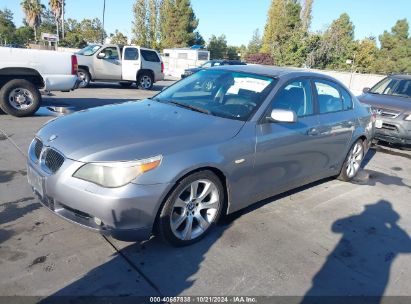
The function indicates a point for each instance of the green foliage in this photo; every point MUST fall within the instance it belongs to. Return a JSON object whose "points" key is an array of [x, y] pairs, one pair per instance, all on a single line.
{"points": [[232, 53], [366, 55], [23, 35], [255, 44], [7, 27], [47, 24], [140, 25], [33, 11], [78, 34], [395, 55], [118, 38], [217, 47], [198, 39]]}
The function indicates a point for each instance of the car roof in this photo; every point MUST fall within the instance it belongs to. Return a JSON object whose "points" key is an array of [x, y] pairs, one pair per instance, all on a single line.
{"points": [[400, 76], [272, 71]]}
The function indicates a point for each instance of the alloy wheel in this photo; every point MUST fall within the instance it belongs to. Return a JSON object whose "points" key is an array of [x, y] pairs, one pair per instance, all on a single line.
{"points": [[145, 82], [195, 209], [354, 160]]}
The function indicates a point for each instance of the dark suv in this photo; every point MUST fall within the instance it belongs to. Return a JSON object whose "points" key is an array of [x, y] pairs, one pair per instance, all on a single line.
{"points": [[210, 64], [390, 99]]}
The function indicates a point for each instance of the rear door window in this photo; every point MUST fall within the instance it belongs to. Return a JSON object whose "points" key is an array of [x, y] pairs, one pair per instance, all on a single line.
{"points": [[131, 54], [329, 97], [150, 56]]}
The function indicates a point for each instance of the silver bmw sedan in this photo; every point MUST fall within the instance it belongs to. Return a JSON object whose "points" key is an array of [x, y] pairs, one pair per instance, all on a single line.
{"points": [[210, 145]]}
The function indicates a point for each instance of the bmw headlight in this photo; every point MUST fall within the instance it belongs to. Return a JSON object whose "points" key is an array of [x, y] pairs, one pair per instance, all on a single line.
{"points": [[408, 117], [116, 174]]}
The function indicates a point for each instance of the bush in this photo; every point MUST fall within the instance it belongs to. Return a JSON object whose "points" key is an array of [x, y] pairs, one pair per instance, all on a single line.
{"points": [[260, 58]]}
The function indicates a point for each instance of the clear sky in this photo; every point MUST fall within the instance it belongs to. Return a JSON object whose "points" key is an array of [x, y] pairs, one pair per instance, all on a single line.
{"points": [[237, 19]]}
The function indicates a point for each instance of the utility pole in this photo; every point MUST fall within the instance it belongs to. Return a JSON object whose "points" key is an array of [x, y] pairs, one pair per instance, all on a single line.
{"points": [[104, 13], [62, 19]]}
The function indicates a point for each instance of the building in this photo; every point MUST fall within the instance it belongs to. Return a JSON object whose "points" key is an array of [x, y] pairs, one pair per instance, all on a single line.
{"points": [[178, 59]]}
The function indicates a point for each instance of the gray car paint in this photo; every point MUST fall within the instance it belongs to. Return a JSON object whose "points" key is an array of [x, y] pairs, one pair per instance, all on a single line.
{"points": [[274, 157]]}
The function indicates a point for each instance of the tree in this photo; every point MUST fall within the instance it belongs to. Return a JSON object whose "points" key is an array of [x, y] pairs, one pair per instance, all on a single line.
{"points": [[306, 14], [337, 45], [33, 10], [395, 55], [260, 58], [217, 47], [255, 44], [47, 24], [232, 53], [7, 27], [283, 32], [198, 39], [56, 6], [153, 24], [118, 38], [178, 24], [366, 55], [92, 30], [140, 29], [23, 35]]}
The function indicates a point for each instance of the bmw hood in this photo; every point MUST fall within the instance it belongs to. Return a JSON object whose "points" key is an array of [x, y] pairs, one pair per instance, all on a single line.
{"points": [[134, 130]]}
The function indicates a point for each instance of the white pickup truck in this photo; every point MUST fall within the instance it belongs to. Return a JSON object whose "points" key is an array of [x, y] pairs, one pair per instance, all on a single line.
{"points": [[24, 72], [117, 63]]}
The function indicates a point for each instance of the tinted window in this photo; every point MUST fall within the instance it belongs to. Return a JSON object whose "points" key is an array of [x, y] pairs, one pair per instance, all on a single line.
{"points": [[150, 56], [131, 54], [225, 94], [329, 98], [111, 53], [202, 55], [384, 87], [347, 100], [295, 96], [403, 88]]}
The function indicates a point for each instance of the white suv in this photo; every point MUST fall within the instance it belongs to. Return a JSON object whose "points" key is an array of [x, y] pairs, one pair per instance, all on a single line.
{"points": [[123, 64]]}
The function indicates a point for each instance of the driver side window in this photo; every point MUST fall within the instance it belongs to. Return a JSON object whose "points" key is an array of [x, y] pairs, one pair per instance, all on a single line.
{"points": [[295, 96], [111, 53]]}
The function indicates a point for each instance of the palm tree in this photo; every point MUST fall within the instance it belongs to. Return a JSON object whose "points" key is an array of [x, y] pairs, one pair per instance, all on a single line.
{"points": [[56, 7], [33, 10]]}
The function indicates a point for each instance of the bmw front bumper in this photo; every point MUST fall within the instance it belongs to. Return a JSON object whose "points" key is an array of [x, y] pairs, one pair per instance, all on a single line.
{"points": [[127, 213]]}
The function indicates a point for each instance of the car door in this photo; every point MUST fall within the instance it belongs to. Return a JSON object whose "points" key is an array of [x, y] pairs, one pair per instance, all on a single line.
{"points": [[131, 63], [108, 67], [337, 120], [287, 154], [151, 61]]}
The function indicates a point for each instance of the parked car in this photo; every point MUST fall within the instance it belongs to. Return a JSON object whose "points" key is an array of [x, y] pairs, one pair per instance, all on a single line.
{"points": [[391, 101], [176, 163], [24, 72], [117, 63], [210, 64]]}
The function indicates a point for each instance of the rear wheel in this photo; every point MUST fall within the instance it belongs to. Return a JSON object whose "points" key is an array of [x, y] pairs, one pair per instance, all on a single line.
{"points": [[352, 163], [84, 77], [192, 209], [20, 98], [145, 81]]}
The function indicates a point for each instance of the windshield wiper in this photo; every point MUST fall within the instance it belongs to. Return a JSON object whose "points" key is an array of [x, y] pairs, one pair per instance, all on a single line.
{"points": [[190, 107]]}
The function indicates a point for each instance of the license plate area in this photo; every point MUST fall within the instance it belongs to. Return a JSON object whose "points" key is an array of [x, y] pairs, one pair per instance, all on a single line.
{"points": [[378, 124], [36, 181]]}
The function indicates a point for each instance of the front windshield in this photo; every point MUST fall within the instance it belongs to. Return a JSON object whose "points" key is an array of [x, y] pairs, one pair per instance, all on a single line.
{"points": [[393, 87], [89, 50], [222, 93], [208, 64]]}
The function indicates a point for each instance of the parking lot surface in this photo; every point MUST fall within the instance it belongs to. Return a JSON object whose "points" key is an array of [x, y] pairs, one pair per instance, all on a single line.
{"points": [[328, 238]]}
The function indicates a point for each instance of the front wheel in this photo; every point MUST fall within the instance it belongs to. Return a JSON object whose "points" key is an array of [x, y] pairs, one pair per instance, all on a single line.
{"points": [[352, 163], [19, 98], [145, 81], [192, 209]]}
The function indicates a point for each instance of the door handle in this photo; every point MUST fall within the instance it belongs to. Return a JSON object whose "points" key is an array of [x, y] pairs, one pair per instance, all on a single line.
{"points": [[313, 132]]}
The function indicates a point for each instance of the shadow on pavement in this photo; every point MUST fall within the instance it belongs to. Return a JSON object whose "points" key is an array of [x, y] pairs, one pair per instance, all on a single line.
{"points": [[360, 263]]}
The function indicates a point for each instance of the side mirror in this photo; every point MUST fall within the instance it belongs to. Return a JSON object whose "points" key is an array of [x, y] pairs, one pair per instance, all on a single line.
{"points": [[101, 55], [366, 90], [280, 115]]}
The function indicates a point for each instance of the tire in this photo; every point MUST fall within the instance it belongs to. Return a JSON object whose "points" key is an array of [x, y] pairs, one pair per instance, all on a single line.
{"points": [[19, 97], [84, 77], [126, 84], [145, 81], [352, 163], [179, 213]]}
